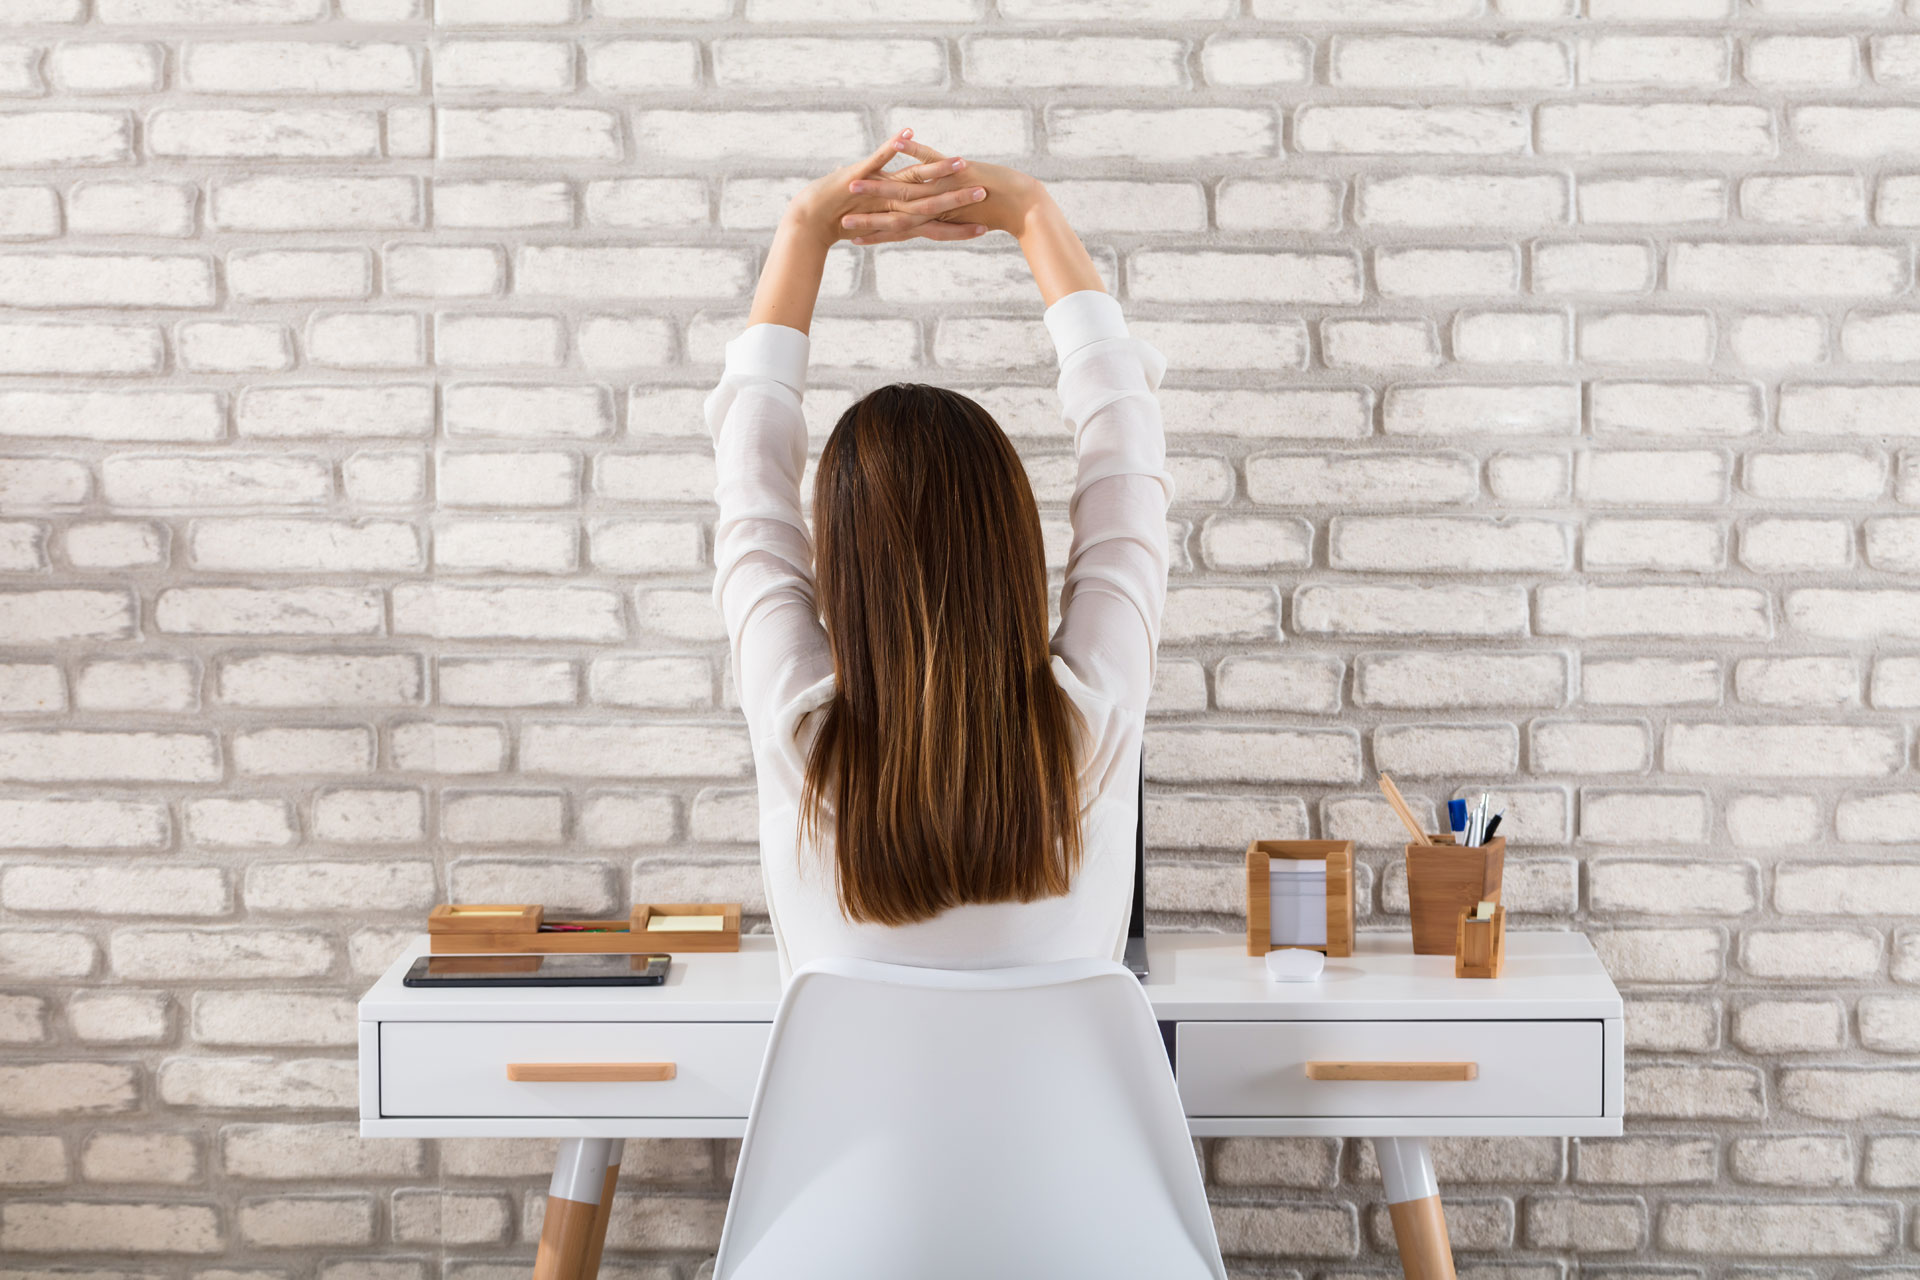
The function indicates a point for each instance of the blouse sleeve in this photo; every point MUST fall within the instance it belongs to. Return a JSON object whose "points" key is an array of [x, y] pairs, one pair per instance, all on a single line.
{"points": [[762, 551], [1116, 580]]}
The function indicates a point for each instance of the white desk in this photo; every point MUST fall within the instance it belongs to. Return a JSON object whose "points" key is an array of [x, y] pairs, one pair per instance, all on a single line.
{"points": [[1545, 1041]]}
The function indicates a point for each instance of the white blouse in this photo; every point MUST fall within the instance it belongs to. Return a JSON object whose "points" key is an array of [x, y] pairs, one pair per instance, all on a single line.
{"points": [[1103, 649]]}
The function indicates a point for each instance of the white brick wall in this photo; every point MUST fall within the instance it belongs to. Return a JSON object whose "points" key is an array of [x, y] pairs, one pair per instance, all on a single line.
{"points": [[1541, 398]]}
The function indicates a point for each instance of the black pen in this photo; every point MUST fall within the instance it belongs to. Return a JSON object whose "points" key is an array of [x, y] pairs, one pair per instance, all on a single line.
{"points": [[1492, 827]]}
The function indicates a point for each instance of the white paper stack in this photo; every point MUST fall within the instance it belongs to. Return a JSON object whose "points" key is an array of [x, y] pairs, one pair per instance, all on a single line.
{"points": [[1298, 894]]}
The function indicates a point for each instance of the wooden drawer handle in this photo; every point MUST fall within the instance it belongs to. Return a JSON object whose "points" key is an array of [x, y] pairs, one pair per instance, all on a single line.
{"points": [[589, 1072], [1418, 1071]]}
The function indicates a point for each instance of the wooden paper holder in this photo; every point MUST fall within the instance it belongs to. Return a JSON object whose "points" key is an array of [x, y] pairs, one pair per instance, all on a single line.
{"points": [[1445, 879], [1338, 855], [499, 928], [725, 938], [1480, 946]]}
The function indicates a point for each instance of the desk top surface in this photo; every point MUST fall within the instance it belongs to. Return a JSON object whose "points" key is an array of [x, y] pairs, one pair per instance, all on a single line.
{"points": [[1195, 976]]}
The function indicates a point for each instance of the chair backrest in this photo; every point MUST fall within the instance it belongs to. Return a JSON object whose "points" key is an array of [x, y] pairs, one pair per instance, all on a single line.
{"points": [[942, 1123]]}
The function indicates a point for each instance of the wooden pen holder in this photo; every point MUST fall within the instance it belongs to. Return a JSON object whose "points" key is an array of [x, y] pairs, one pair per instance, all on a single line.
{"points": [[1337, 940], [490, 928], [1445, 879], [1480, 946]]}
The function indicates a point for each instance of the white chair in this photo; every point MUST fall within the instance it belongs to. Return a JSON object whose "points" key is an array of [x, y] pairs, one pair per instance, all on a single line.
{"points": [[936, 1123]]}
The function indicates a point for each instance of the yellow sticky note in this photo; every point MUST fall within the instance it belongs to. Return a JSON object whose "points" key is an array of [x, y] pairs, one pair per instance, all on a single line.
{"points": [[685, 924]]}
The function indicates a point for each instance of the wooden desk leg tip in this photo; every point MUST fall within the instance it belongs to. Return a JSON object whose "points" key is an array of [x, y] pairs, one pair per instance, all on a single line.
{"points": [[1413, 1205], [1421, 1230]]}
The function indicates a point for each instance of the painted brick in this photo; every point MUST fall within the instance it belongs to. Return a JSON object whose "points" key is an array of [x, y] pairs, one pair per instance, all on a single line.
{"points": [[1662, 955], [158, 954], [1245, 61], [1773, 340], [1391, 611], [1796, 1230], [1811, 955], [1656, 128], [630, 65], [1782, 751], [1609, 200], [1775, 270], [55, 1226], [1102, 132], [1670, 546], [1854, 889], [1667, 478], [1772, 821], [271, 1018], [1414, 544], [1893, 1161], [1672, 887], [1644, 816], [1790, 1026], [1441, 62], [1596, 612], [119, 891], [510, 133], [1688, 1092], [1410, 130], [1655, 61], [1460, 680], [1646, 1161], [300, 67], [1586, 1224], [298, 1151], [1672, 1026]]}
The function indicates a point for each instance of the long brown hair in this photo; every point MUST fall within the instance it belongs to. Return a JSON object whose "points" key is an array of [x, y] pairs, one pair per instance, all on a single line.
{"points": [[948, 748]]}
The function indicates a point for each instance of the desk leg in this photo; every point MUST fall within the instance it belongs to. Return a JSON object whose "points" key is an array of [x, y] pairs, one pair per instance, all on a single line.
{"points": [[568, 1238], [1413, 1202], [604, 1210]]}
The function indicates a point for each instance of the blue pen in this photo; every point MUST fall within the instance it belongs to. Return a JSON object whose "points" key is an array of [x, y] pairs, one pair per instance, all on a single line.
{"points": [[1456, 817]]}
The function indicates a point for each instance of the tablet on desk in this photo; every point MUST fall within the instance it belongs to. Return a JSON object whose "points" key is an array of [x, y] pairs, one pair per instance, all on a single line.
{"points": [[538, 971]]}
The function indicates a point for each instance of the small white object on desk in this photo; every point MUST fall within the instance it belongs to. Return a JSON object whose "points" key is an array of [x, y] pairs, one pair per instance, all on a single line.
{"points": [[1294, 964]]}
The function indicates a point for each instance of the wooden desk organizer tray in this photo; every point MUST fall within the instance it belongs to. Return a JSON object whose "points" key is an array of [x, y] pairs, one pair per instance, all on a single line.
{"points": [[498, 928], [1445, 879], [1337, 940]]}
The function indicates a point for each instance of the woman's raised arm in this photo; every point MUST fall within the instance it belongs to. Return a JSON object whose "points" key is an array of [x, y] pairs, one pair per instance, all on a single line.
{"points": [[762, 550], [1116, 582]]}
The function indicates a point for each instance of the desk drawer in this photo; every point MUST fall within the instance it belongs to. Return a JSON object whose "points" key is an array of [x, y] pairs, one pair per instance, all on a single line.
{"points": [[461, 1068], [1517, 1068]]}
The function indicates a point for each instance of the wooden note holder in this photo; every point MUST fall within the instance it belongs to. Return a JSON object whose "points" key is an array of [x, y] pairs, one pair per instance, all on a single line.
{"points": [[1338, 855], [482, 928], [1445, 879], [726, 938], [1480, 946]]}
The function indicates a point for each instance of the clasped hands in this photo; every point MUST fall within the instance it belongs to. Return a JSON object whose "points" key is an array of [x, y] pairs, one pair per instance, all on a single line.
{"points": [[941, 198]]}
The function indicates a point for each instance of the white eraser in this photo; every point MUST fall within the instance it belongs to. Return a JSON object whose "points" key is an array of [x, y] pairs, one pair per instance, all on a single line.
{"points": [[1293, 964]]}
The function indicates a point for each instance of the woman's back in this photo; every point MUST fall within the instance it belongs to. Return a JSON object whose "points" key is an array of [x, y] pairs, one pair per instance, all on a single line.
{"points": [[822, 898]]}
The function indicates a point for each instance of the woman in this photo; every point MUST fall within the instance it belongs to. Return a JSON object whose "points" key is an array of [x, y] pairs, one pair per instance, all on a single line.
{"points": [[939, 783]]}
